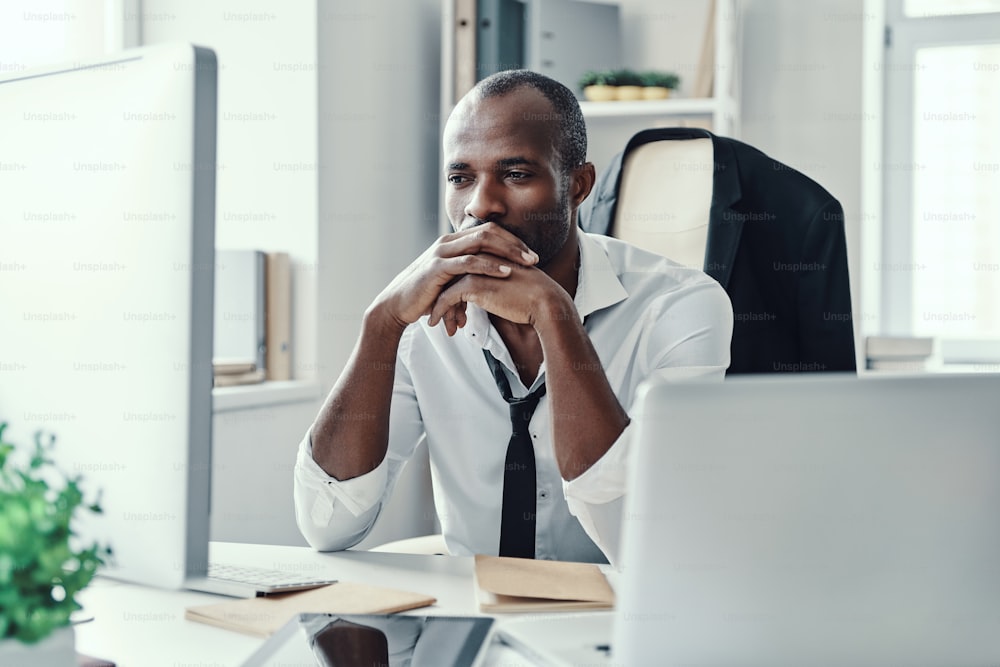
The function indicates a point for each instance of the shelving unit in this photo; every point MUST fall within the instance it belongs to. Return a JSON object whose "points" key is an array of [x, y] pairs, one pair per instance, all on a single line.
{"points": [[610, 124], [720, 113], [668, 107]]}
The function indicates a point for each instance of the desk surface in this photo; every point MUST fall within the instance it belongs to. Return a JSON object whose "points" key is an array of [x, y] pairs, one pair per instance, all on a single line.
{"points": [[138, 625]]}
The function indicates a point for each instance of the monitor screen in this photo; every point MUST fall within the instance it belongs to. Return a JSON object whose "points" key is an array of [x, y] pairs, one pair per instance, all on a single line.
{"points": [[107, 213]]}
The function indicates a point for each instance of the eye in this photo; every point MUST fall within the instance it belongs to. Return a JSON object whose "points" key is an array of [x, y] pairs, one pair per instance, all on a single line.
{"points": [[458, 179], [518, 175]]}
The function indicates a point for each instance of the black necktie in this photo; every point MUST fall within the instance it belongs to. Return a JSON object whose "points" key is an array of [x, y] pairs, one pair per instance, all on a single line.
{"points": [[517, 519]]}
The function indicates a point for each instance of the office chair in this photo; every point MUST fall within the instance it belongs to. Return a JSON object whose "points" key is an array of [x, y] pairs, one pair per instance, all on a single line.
{"points": [[771, 236]]}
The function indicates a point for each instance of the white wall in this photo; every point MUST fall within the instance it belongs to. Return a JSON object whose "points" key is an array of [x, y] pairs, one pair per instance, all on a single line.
{"points": [[39, 32], [328, 148], [266, 186], [665, 35], [379, 82]]}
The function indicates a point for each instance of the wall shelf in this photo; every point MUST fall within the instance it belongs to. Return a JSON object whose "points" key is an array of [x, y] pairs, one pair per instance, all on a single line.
{"points": [[669, 107], [263, 394]]}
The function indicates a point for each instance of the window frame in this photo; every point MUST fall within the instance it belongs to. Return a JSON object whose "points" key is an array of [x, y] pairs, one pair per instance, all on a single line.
{"points": [[904, 35]]}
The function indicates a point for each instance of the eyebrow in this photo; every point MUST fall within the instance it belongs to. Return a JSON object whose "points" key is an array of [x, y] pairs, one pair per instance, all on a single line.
{"points": [[505, 163]]}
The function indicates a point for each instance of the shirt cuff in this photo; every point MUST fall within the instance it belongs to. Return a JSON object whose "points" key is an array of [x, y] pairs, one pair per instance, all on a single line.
{"points": [[605, 480], [596, 497], [358, 494]]}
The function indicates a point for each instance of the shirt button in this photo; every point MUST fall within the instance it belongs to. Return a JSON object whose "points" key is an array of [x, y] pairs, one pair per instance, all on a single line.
{"points": [[543, 494]]}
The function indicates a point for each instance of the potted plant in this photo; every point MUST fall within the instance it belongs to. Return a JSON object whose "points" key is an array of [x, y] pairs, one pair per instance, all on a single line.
{"points": [[628, 85], [596, 86], [657, 85], [42, 567]]}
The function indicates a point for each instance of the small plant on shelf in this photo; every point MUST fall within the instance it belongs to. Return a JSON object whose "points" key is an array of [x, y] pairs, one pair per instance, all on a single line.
{"points": [[41, 566], [657, 85], [626, 84], [597, 86], [660, 80], [624, 77], [593, 78]]}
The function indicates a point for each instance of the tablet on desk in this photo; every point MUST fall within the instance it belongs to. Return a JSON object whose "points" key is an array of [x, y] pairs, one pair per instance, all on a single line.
{"points": [[361, 640]]}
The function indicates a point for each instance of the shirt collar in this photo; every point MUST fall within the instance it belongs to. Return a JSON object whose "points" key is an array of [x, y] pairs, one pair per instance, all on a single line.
{"points": [[597, 287]]}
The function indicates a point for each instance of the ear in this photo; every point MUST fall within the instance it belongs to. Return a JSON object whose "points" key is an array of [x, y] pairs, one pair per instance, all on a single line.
{"points": [[581, 183]]}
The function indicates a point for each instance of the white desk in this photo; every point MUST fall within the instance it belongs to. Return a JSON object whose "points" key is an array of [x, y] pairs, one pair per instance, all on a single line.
{"points": [[137, 626]]}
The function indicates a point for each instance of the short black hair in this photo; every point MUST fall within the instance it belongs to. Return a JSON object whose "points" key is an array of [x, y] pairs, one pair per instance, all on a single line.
{"points": [[571, 142]]}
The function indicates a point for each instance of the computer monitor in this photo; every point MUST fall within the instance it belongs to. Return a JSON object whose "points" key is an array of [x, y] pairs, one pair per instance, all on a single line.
{"points": [[107, 231]]}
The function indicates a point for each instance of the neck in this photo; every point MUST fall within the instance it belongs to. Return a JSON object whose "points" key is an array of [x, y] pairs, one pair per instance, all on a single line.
{"points": [[565, 266]]}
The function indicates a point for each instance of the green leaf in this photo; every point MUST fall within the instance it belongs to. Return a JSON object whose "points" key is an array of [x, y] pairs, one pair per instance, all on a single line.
{"points": [[36, 557]]}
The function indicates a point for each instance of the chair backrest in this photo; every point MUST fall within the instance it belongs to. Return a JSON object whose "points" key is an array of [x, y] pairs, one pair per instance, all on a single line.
{"points": [[679, 172], [774, 239]]}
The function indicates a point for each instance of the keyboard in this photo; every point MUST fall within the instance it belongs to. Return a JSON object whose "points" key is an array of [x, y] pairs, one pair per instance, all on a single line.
{"points": [[248, 582]]}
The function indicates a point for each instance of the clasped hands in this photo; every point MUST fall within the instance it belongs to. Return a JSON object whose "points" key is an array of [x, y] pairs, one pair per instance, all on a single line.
{"points": [[485, 265]]}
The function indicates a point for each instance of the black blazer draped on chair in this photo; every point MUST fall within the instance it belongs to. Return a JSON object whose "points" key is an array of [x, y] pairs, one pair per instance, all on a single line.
{"points": [[776, 245]]}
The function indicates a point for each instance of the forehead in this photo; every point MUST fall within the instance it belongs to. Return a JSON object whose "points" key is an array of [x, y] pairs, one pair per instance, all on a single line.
{"points": [[521, 121]]}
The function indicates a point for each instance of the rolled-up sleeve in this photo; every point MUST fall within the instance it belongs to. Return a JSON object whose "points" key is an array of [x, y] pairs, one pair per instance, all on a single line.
{"points": [[333, 514], [688, 341]]}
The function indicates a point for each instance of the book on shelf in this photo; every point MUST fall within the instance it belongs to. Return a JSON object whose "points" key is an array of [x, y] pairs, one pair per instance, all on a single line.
{"points": [[239, 305], [278, 316], [705, 75], [224, 366], [898, 347], [253, 317], [898, 365], [235, 379], [898, 353]]}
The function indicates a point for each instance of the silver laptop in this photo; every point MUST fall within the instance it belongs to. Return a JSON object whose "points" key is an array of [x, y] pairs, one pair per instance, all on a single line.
{"points": [[808, 520]]}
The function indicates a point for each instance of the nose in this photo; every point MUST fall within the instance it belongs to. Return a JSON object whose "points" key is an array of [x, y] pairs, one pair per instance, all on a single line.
{"points": [[485, 201]]}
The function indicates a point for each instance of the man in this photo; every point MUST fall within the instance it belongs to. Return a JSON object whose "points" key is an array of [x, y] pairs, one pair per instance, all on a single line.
{"points": [[517, 305]]}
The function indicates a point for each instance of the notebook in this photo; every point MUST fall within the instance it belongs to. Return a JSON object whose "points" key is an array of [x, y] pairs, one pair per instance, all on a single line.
{"points": [[789, 520], [262, 616], [523, 584]]}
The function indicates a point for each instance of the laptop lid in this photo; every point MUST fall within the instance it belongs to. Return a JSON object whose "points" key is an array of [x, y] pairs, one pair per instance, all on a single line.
{"points": [[802, 520]]}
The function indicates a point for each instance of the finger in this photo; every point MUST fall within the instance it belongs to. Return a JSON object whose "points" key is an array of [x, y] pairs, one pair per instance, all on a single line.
{"points": [[461, 292], [454, 268], [450, 319], [487, 238]]}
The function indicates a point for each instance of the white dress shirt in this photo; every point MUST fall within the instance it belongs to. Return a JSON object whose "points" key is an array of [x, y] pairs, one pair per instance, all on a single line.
{"points": [[646, 317]]}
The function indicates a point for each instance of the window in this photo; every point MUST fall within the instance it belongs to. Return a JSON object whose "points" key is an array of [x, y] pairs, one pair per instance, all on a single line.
{"points": [[37, 32], [940, 269]]}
